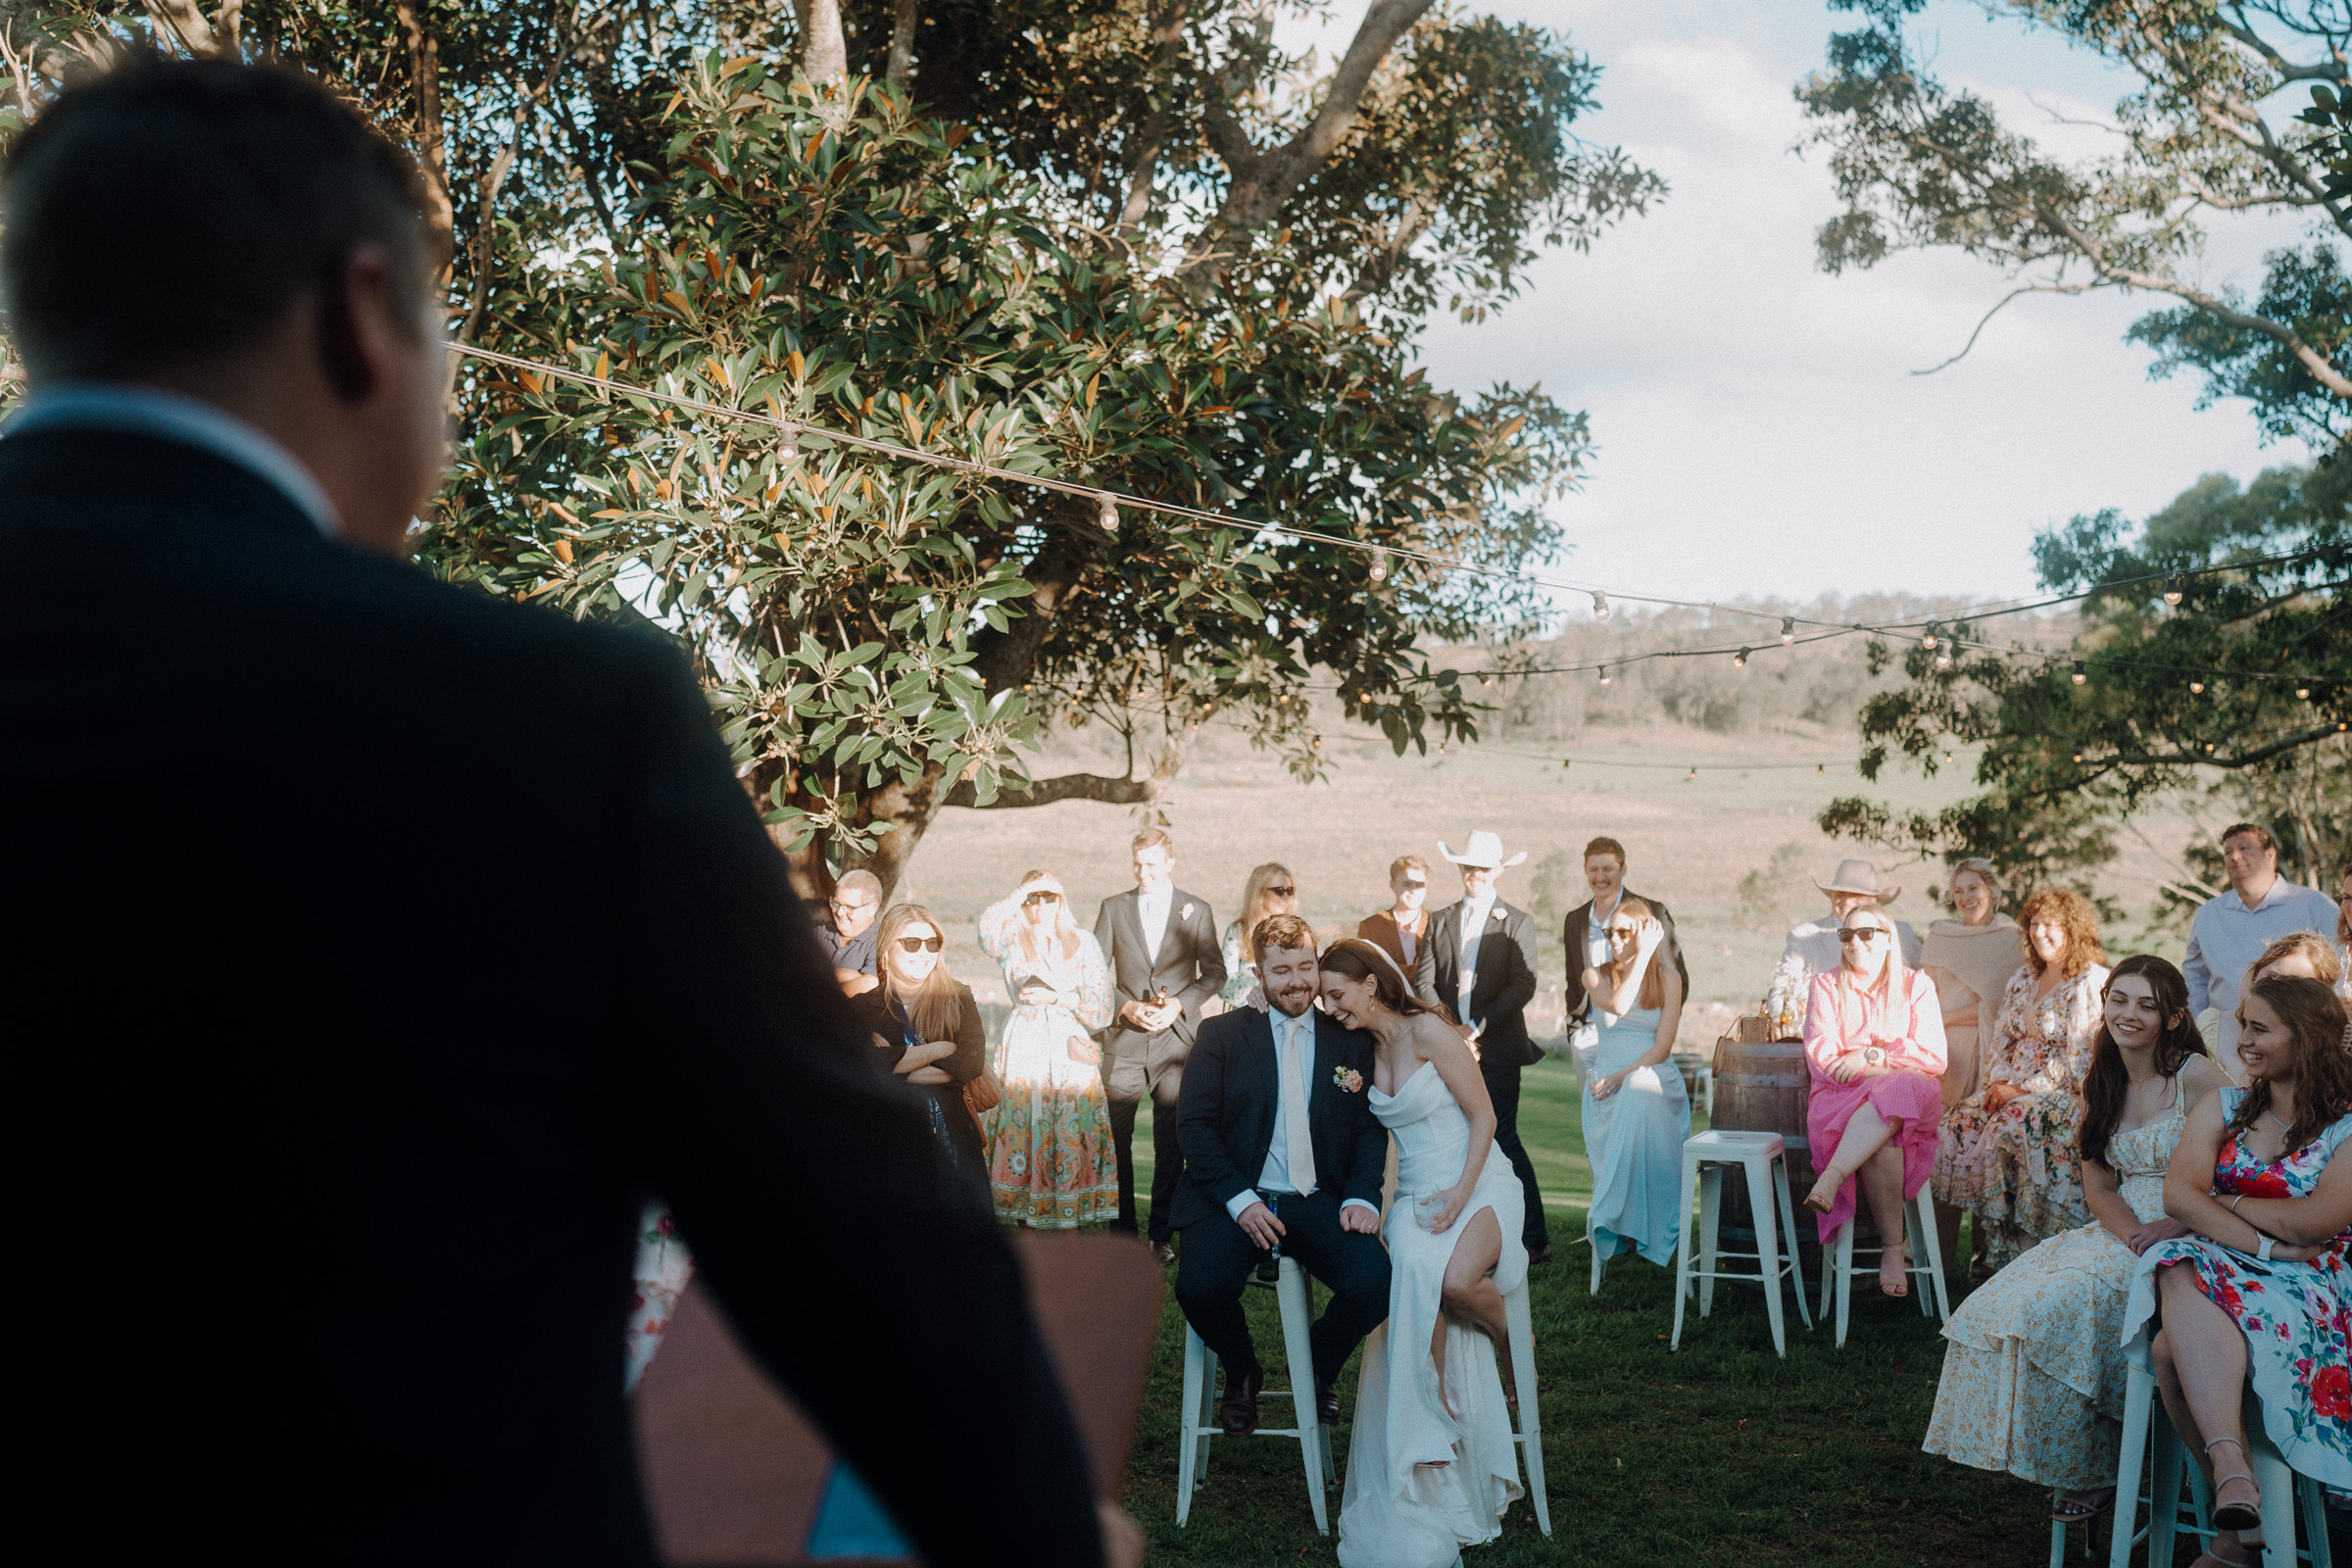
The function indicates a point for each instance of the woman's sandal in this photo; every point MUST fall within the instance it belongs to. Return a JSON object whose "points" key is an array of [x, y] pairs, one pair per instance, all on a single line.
{"points": [[1824, 1195], [1902, 1285], [2239, 1516], [2072, 1511]]}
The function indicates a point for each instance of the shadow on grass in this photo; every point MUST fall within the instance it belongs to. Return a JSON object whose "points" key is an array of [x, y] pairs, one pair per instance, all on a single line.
{"points": [[1722, 1453]]}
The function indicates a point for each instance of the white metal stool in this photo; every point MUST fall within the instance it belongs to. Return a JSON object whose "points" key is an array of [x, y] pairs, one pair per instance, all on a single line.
{"points": [[1763, 1159], [1519, 1322], [1199, 1423], [1838, 1261], [2284, 1493], [2282, 1488]]}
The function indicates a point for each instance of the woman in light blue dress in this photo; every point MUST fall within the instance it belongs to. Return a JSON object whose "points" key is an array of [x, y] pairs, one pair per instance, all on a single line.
{"points": [[1636, 1113]]}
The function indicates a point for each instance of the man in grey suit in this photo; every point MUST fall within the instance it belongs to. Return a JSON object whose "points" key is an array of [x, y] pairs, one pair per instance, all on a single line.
{"points": [[1478, 964], [1161, 945]]}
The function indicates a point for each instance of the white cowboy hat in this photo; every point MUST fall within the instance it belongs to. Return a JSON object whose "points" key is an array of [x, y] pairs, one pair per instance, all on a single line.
{"points": [[1858, 876], [1483, 848]]}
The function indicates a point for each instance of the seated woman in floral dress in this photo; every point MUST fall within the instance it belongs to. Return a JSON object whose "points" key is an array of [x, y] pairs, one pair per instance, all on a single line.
{"points": [[1873, 1044], [2261, 1287], [1051, 1164], [2034, 1381], [2007, 1153]]}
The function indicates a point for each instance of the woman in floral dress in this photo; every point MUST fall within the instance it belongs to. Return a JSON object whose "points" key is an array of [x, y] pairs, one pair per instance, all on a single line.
{"points": [[2006, 1153], [2261, 1284], [1052, 1163], [2034, 1381]]}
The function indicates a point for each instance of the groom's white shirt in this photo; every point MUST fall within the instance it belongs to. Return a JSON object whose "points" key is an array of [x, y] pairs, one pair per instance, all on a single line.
{"points": [[1294, 1053]]}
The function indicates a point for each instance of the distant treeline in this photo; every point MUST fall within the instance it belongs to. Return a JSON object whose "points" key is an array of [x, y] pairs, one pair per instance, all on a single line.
{"points": [[1812, 689]]}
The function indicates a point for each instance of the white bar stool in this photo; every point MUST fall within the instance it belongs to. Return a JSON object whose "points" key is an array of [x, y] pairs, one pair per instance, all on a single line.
{"points": [[2284, 1493], [1199, 1423], [1838, 1262], [2282, 1490], [1519, 1322], [1763, 1159]]}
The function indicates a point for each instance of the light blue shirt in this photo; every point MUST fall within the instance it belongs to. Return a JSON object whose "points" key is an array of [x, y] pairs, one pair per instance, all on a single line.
{"points": [[170, 417], [1294, 1050], [2227, 937], [1474, 926]]}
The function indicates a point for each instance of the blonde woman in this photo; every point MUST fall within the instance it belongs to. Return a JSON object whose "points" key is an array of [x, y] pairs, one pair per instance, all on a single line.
{"points": [[2007, 1155], [930, 1020], [1270, 890], [1873, 1041], [1052, 1163]]}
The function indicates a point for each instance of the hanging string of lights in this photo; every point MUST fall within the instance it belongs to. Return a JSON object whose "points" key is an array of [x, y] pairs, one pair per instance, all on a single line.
{"points": [[1108, 505]]}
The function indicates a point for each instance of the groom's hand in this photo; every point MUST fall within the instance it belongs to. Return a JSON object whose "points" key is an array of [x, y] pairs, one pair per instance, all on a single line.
{"points": [[1356, 1217], [1258, 1223]]}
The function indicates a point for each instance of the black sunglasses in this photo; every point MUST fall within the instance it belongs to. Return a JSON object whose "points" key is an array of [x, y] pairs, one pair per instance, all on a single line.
{"points": [[1041, 896], [1283, 893], [922, 944], [1860, 933]]}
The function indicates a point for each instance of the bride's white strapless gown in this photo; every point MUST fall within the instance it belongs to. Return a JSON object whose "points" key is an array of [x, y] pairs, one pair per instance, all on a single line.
{"points": [[1399, 1510]]}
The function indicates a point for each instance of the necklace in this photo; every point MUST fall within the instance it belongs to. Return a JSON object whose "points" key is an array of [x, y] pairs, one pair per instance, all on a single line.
{"points": [[2150, 1078], [2284, 1126]]}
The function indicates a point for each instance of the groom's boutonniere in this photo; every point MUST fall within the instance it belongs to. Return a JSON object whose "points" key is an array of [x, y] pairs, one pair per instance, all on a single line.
{"points": [[1347, 1078], [1185, 913]]}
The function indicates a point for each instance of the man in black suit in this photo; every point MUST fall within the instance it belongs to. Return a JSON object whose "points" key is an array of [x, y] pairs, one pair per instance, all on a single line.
{"points": [[1584, 938], [342, 1096], [1255, 1178], [1478, 962], [1166, 961]]}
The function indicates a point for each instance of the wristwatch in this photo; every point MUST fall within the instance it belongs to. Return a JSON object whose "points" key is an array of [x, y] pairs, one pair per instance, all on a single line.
{"points": [[1875, 1055], [2264, 1250]]}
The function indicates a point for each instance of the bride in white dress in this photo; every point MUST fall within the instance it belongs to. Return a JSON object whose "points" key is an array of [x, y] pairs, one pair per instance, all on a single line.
{"points": [[1431, 1465]]}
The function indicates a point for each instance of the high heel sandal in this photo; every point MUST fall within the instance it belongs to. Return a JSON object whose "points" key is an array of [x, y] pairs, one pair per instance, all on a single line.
{"points": [[1821, 1202], [2241, 1517]]}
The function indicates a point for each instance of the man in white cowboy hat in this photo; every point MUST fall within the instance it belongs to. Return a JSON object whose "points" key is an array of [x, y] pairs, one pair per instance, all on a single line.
{"points": [[1856, 886], [1478, 962]]}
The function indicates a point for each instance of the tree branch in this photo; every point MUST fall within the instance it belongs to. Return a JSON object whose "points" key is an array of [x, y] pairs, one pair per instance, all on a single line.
{"points": [[2260, 753], [1067, 787], [901, 42]]}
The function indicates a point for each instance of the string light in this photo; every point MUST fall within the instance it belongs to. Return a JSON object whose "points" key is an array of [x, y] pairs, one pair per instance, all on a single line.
{"points": [[2209, 748], [2173, 588], [1739, 658], [1485, 679], [2196, 688], [1693, 777], [1380, 563], [2303, 692], [1943, 657], [1929, 641], [1107, 512], [2081, 675], [1604, 674], [790, 451], [1600, 606], [1788, 630]]}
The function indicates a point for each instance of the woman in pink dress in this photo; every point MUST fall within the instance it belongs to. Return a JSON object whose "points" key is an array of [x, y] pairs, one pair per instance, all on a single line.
{"points": [[1874, 1039]]}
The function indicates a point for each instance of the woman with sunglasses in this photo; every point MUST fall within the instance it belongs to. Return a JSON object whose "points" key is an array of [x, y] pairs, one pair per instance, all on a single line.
{"points": [[1270, 890], [2007, 1153], [1051, 1162], [1873, 1040], [929, 1018], [1636, 1112]]}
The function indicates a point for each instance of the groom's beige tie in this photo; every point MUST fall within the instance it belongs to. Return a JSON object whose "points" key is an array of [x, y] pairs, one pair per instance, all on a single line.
{"points": [[1298, 1036]]}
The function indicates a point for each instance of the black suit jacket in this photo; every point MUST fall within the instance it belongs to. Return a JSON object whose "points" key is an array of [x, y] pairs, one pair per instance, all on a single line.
{"points": [[1225, 1120], [1505, 984], [1577, 929], [382, 946], [1191, 966]]}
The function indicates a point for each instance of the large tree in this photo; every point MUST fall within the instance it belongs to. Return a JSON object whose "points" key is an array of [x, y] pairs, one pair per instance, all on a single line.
{"points": [[1129, 243]]}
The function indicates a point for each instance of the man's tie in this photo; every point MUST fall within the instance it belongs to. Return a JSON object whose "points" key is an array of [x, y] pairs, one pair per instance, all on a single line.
{"points": [[1298, 1056]]}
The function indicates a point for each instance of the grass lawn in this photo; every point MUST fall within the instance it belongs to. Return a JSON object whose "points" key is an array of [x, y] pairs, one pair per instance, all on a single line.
{"points": [[1723, 1454]]}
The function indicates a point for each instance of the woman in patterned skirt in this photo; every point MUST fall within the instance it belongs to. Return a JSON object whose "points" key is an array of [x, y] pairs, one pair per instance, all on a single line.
{"points": [[2260, 1288], [1051, 1164], [2034, 1382], [2006, 1155]]}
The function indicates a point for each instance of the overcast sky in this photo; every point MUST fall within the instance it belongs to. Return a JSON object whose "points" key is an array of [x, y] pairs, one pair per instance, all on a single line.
{"points": [[1759, 429]]}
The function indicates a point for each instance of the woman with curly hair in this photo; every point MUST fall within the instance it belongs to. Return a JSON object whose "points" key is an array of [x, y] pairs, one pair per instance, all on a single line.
{"points": [[2007, 1153]]}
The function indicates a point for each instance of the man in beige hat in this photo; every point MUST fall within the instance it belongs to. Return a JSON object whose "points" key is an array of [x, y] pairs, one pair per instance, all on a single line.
{"points": [[1856, 886], [1478, 964]]}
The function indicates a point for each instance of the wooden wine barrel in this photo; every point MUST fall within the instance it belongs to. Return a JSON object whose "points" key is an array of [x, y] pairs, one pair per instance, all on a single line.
{"points": [[1762, 1086]]}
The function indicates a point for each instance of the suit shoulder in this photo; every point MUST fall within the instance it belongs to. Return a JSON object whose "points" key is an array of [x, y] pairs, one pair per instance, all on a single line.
{"points": [[1225, 1028]]}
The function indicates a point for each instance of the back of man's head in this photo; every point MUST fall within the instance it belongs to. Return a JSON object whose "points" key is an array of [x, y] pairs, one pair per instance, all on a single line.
{"points": [[171, 215]]}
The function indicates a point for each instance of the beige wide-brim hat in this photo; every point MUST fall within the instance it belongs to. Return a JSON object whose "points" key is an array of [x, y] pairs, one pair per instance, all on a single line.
{"points": [[1859, 876], [1483, 849]]}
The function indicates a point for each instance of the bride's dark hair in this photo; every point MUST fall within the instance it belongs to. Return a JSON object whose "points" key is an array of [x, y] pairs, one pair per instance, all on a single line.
{"points": [[1359, 960]]}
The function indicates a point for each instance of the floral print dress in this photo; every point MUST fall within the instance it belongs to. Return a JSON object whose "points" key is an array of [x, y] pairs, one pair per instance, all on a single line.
{"points": [[2015, 1168], [2297, 1317], [1051, 1162]]}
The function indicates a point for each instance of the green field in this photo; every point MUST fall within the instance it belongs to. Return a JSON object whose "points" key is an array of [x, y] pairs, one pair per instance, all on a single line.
{"points": [[1722, 1453]]}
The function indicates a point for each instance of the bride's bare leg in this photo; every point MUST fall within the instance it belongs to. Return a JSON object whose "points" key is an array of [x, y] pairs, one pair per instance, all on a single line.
{"points": [[1470, 1295]]}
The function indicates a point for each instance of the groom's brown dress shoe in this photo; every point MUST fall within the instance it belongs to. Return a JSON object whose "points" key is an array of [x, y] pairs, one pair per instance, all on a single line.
{"points": [[1327, 1404], [1239, 1412]]}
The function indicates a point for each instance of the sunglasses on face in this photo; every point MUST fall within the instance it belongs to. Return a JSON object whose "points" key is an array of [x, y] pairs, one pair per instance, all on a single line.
{"points": [[1283, 893], [1860, 933], [841, 908], [1041, 896], [922, 944], [1414, 885]]}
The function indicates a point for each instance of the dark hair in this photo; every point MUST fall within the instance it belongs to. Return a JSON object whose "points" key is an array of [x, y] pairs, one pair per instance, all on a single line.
{"points": [[1606, 846], [2315, 1015], [2106, 1085], [254, 182], [2262, 835], [1359, 960]]}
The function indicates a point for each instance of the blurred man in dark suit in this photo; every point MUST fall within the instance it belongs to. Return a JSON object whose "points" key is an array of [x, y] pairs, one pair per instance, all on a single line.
{"points": [[1166, 961], [1584, 935], [1478, 962], [340, 1098]]}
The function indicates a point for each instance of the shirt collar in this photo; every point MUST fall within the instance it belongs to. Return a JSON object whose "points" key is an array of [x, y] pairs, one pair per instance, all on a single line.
{"points": [[2280, 888], [170, 417]]}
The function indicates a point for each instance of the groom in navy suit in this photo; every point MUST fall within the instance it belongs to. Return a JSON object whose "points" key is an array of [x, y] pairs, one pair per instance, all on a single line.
{"points": [[1280, 1150]]}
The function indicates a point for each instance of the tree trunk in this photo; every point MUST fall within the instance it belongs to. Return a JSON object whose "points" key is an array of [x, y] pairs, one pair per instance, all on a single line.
{"points": [[824, 49], [901, 43], [432, 148]]}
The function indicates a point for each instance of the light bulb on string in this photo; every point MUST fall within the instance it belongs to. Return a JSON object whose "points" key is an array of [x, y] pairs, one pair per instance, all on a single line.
{"points": [[1943, 657], [790, 451], [1693, 777], [1485, 679], [1604, 674], [1380, 563], [2304, 693], [1107, 512], [1929, 641], [1600, 606], [2209, 748], [2173, 588], [1739, 659], [2081, 674], [2196, 688], [1788, 630], [1822, 768]]}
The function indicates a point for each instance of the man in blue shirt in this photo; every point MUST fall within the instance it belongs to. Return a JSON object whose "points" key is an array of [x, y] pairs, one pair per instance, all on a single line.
{"points": [[2230, 930]]}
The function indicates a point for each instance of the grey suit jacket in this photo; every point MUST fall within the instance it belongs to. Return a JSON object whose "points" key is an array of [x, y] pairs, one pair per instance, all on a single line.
{"points": [[1505, 985], [1191, 966]]}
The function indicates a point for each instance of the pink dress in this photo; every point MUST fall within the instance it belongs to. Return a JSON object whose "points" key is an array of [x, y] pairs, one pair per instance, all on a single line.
{"points": [[1910, 1099]]}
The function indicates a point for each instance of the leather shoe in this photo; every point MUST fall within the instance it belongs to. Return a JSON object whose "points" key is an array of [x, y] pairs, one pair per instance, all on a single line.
{"points": [[1540, 1255], [1164, 1254], [1327, 1404], [1238, 1414]]}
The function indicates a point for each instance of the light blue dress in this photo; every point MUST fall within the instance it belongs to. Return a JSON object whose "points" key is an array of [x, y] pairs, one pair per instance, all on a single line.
{"points": [[1634, 1140]]}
